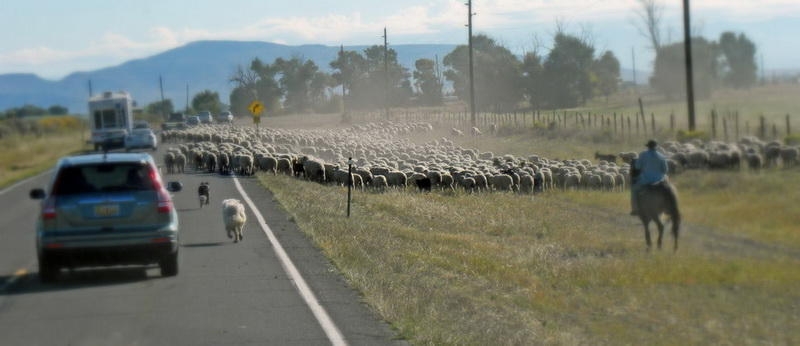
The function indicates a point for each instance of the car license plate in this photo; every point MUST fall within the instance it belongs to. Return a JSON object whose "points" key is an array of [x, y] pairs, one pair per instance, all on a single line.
{"points": [[106, 210]]}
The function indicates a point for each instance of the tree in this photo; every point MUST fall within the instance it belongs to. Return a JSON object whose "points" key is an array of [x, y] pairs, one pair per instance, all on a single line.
{"points": [[295, 81], [256, 83], [668, 69], [532, 82], [160, 108], [351, 67], [739, 54], [428, 82], [207, 100], [650, 27], [57, 110], [606, 69], [497, 74], [568, 72]]}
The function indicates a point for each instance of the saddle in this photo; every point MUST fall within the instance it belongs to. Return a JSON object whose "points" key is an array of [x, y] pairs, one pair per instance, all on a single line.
{"points": [[660, 185]]}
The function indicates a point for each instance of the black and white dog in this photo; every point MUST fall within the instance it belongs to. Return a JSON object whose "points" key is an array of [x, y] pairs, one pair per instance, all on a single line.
{"points": [[203, 194]]}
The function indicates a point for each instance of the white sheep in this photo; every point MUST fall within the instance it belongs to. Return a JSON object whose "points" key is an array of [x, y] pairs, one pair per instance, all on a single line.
{"points": [[234, 217]]}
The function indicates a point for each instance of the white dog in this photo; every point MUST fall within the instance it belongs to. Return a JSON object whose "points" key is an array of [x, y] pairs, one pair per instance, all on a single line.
{"points": [[234, 216]]}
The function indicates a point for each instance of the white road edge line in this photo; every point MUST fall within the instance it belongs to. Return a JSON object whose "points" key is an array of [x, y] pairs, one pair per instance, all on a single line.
{"points": [[4, 191], [325, 321]]}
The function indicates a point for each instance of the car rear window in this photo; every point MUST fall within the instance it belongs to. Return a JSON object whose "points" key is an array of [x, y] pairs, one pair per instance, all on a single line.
{"points": [[105, 177]]}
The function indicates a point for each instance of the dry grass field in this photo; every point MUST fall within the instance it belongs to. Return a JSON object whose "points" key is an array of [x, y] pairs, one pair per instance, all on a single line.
{"points": [[25, 156], [564, 267]]}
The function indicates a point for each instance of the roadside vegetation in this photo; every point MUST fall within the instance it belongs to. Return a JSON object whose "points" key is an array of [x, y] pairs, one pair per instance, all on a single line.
{"points": [[556, 268], [568, 267], [32, 146]]}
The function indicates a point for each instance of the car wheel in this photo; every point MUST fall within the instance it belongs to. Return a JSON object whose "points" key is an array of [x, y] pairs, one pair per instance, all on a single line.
{"points": [[169, 265], [48, 272]]}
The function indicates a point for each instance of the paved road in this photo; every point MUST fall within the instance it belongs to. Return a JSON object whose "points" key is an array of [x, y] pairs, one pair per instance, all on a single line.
{"points": [[225, 293]]}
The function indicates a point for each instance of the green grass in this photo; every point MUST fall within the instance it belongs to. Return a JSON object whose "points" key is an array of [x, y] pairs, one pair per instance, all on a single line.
{"points": [[507, 269]]}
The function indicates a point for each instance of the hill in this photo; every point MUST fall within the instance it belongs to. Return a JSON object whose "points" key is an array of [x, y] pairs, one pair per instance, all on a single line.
{"points": [[200, 65]]}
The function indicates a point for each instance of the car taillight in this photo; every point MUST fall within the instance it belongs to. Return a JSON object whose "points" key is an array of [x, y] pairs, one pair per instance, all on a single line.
{"points": [[164, 201], [49, 209]]}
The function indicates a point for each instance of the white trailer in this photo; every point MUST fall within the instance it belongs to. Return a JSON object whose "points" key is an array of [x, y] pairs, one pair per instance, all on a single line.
{"points": [[111, 116]]}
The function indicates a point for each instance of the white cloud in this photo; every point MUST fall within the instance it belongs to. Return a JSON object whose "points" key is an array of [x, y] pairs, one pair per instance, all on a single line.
{"points": [[417, 21]]}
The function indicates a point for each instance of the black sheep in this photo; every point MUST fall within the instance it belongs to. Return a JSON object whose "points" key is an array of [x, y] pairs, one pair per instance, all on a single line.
{"points": [[424, 184]]}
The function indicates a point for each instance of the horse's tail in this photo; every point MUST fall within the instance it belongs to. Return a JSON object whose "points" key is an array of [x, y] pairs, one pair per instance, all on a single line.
{"points": [[672, 207]]}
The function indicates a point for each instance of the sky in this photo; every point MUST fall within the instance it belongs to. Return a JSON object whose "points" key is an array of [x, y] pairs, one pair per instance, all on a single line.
{"points": [[53, 38]]}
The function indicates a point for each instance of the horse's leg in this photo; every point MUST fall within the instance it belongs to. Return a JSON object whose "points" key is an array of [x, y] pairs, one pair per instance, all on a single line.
{"points": [[646, 224], [660, 226], [675, 236]]}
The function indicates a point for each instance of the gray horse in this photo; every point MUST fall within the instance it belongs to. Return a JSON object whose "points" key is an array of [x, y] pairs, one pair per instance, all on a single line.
{"points": [[654, 200]]}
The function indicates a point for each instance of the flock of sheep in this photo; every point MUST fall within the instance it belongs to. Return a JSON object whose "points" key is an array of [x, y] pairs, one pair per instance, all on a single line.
{"points": [[384, 157]]}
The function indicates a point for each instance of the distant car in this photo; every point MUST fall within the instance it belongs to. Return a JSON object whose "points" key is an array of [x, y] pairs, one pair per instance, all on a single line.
{"points": [[174, 121], [141, 124], [225, 117], [205, 117], [193, 120], [106, 209], [141, 139]]}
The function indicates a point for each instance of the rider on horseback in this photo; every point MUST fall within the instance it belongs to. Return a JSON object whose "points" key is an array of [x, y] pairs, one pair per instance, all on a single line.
{"points": [[652, 167]]}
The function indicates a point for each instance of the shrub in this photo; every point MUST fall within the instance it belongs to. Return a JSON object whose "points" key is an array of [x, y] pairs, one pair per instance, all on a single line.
{"points": [[686, 135], [792, 139]]}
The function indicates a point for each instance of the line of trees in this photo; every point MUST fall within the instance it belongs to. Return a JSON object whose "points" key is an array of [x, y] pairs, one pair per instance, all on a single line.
{"points": [[31, 110], [568, 76]]}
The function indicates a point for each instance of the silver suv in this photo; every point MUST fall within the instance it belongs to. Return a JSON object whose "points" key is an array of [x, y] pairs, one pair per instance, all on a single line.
{"points": [[106, 209]]}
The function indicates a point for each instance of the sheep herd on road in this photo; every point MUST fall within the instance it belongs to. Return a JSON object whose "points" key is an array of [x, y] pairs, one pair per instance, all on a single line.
{"points": [[385, 158]]}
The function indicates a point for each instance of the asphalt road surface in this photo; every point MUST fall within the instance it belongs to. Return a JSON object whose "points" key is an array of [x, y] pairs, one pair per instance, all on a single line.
{"points": [[250, 293]]}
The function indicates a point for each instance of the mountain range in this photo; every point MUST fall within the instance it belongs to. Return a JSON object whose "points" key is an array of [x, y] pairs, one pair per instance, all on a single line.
{"points": [[200, 65]]}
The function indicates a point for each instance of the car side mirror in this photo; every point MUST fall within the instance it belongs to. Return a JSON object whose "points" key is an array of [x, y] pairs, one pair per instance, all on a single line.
{"points": [[174, 186], [37, 194]]}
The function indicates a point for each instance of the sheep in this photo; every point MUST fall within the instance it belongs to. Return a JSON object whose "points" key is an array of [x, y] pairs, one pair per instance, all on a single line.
{"points": [[456, 132], [268, 164], [502, 182], [180, 162], [313, 169], [284, 166], [169, 161], [423, 184], [789, 156], [605, 157], [396, 179], [754, 161], [475, 131], [526, 183], [379, 183], [234, 217]]}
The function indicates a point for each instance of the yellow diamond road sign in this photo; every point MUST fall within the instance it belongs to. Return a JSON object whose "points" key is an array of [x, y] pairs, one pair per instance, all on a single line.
{"points": [[256, 108]]}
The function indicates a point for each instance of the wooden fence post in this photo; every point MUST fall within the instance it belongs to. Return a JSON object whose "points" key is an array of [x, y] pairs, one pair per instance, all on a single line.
{"points": [[788, 126], [637, 123], [615, 122], [736, 115], [762, 132], [653, 124], [714, 124], [725, 128]]}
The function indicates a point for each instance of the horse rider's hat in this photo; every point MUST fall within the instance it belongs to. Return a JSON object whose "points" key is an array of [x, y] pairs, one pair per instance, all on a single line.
{"points": [[651, 144]]}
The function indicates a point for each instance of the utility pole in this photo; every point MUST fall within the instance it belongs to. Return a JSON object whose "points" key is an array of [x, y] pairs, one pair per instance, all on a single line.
{"points": [[471, 65], [687, 44], [342, 58], [161, 85], [633, 57], [90, 88], [187, 98], [385, 74]]}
